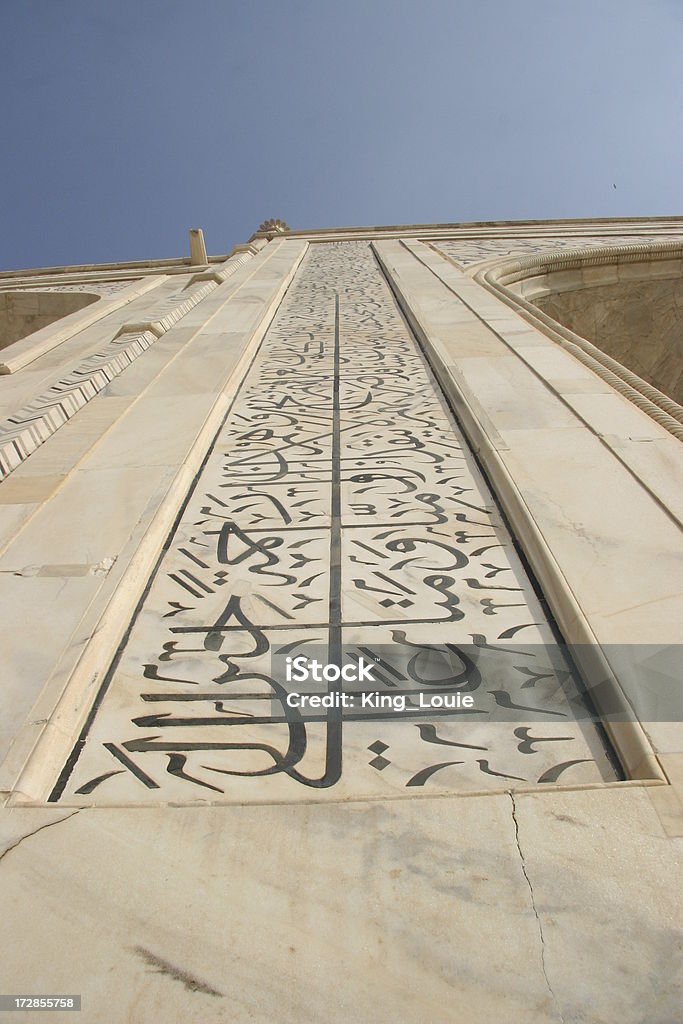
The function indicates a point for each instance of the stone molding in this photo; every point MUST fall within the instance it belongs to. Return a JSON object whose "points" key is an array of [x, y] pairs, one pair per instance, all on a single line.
{"points": [[24, 431], [500, 278]]}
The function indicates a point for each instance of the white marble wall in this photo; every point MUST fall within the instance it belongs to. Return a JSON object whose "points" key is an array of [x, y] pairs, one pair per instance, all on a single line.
{"points": [[545, 903]]}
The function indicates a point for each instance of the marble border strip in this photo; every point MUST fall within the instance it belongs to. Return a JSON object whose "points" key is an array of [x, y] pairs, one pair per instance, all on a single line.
{"points": [[655, 787], [27, 429], [128, 271], [498, 280], [629, 738]]}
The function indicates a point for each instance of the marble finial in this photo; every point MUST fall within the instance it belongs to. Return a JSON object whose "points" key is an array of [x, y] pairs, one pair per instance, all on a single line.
{"points": [[197, 247], [274, 226]]}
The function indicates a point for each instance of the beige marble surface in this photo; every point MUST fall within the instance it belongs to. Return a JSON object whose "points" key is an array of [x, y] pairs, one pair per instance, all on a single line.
{"points": [[554, 908]]}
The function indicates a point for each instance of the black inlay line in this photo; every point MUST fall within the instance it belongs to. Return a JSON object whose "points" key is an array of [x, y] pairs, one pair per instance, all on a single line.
{"points": [[280, 611], [321, 718], [227, 698], [266, 627], [335, 510], [371, 524], [131, 766], [184, 585], [193, 558], [333, 756]]}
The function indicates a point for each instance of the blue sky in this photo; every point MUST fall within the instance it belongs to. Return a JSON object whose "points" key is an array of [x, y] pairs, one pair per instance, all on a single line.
{"points": [[128, 121]]}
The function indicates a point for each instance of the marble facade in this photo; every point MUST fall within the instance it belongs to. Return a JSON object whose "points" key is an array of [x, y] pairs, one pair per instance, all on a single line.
{"points": [[396, 444]]}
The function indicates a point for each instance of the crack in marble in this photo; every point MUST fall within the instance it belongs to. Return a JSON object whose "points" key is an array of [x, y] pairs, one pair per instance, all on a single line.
{"points": [[534, 907], [36, 831]]}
